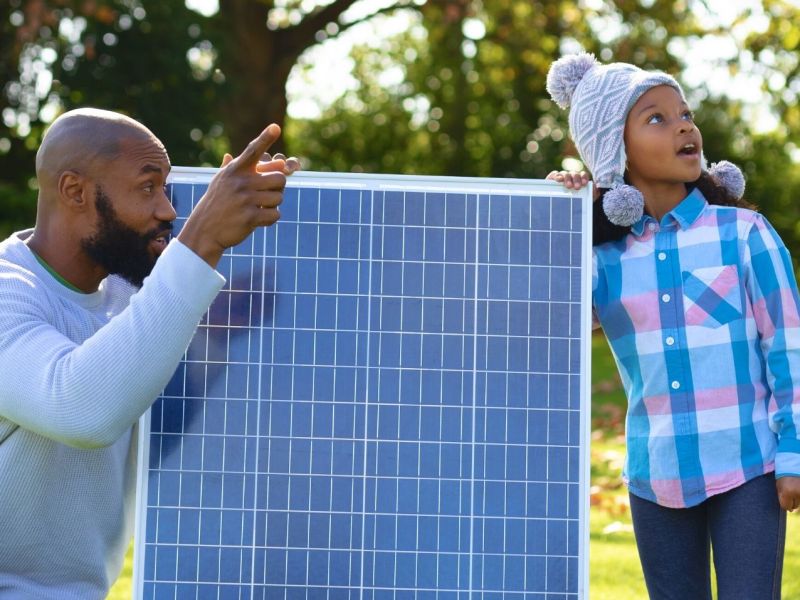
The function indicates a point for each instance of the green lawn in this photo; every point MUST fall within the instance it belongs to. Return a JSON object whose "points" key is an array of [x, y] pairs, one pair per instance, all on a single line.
{"points": [[614, 565]]}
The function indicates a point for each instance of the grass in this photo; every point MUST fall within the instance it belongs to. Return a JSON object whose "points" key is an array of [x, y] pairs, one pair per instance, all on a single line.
{"points": [[615, 573]]}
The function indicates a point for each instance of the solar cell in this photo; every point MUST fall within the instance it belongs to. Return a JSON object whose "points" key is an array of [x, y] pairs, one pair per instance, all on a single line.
{"points": [[387, 400]]}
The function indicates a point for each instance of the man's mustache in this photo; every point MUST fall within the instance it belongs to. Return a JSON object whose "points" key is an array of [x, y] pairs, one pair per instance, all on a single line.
{"points": [[164, 229]]}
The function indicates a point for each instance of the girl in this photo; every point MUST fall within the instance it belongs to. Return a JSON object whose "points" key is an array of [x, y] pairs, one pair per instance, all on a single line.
{"points": [[696, 295]]}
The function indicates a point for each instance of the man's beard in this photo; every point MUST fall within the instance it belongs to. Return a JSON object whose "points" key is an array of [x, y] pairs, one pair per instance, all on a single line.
{"points": [[119, 249]]}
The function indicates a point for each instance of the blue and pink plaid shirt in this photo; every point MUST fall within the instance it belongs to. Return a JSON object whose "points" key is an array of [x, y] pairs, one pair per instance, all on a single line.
{"points": [[702, 314]]}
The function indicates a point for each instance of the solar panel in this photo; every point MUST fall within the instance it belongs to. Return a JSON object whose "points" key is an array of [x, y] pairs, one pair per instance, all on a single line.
{"points": [[388, 400]]}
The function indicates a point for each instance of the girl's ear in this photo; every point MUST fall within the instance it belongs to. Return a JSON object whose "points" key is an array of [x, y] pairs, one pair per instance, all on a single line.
{"points": [[73, 191]]}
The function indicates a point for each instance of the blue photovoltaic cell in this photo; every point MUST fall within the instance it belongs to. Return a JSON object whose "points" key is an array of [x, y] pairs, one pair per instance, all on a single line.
{"points": [[384, 402]]}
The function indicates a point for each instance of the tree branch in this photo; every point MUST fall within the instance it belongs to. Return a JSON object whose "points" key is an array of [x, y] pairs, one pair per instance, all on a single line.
{"points": [[302, 35], [382, 11]]}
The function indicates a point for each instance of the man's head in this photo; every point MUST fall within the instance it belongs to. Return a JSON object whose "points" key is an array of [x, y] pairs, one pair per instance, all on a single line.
{"points": [[120, 249], [101, 177]]}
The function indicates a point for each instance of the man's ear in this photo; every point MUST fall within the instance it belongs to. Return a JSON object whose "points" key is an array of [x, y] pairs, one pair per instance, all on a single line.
{"points": [[74, 190]]}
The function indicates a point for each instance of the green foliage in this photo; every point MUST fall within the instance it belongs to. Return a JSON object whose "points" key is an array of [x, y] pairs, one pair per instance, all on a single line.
{"points": [[154, 60], [472, 100], [119, 55], [469, 98]]}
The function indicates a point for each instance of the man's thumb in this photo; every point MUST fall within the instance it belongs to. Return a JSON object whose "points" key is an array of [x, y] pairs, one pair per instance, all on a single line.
{"points": [[226, 159]]}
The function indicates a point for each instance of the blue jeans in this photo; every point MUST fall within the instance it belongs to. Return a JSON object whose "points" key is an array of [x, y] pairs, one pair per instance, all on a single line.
{"points": [[746, 528]]}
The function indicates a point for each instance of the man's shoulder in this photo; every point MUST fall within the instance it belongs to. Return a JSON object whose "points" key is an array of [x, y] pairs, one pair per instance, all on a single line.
{"points": [[16, 260]]}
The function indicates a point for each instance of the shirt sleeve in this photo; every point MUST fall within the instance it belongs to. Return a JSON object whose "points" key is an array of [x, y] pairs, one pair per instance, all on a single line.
{"points": [[770, 281], [89, 394], [595, 279]]}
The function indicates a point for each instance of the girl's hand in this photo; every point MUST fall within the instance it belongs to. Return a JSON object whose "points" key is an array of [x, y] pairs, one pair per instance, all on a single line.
{"points": [[789, 492], [572, 180]]}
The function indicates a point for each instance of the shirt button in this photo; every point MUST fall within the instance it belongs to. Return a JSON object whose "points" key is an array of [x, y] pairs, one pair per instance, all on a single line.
{"points": [[675, 385], [651, 226], [662, 256], [670, 340], [665, 297]]}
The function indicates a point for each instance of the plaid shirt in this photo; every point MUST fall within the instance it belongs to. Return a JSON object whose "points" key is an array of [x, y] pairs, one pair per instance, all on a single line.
{"points": [[702, 314]]}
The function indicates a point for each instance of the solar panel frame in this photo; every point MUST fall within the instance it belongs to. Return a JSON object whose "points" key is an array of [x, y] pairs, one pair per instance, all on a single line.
{"points": [[374, 446]]}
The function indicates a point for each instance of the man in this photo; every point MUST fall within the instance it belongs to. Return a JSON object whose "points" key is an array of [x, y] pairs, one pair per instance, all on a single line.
{"points": [[96, 311]]}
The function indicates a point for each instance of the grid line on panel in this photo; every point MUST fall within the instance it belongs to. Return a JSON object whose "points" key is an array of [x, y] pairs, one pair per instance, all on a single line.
{"points": [[366, 392], [439, 433], [202, 439], [434, 227], [473, 428], [259, 402], [416, 551], [329, 508], [313, 379], [397, 477], [269, 436], [224, 413]]}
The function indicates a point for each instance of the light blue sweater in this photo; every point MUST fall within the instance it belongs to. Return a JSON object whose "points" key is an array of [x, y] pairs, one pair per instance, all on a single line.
{"points": [[76, 372]]}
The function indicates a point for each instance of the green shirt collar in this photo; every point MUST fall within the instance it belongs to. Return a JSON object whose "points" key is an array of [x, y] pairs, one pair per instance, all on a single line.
{"points": [[55, 275]]}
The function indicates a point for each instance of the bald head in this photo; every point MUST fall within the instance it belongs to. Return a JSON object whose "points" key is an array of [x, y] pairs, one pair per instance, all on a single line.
{"points": [[84, 141]]}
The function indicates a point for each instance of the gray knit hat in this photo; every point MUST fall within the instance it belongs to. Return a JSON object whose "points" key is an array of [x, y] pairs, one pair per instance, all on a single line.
{"points": [[599, 97]]}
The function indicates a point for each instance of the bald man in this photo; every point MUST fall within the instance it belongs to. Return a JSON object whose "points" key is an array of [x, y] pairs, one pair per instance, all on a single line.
{"points": [[97, 306]]}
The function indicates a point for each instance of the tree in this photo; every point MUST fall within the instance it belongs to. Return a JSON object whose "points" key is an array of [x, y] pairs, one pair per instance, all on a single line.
{"points": [[473, 100], [470, 100], [202, 84]]}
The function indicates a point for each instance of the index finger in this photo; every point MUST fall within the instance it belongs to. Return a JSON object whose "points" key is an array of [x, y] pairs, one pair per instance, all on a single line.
{"points": [[251, 155]]}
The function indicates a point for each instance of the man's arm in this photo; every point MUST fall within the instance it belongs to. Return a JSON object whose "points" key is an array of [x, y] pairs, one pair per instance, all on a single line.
{"points": [[89, 394]]}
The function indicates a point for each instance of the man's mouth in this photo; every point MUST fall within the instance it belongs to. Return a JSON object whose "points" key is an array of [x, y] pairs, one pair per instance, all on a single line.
{"points": [[159, 243]]}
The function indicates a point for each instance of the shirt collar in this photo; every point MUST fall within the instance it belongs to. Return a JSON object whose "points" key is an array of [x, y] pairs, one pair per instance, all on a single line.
{"points": [[684, 214]]}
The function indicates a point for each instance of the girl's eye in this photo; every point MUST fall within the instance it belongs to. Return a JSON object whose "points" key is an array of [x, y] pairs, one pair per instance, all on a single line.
{"points": [[688, 115], [656, 118]]}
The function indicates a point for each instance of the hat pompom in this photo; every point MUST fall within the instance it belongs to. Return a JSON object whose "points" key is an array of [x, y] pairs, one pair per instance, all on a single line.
{"points": [[729, 176], [565, 74], [623, 205]]}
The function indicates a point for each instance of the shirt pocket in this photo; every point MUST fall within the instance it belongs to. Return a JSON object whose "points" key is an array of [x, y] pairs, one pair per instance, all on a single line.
{"points": [[712, 296]]}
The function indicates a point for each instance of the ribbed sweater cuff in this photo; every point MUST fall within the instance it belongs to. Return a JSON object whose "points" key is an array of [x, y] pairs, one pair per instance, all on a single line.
{"points": [[190, 277]]}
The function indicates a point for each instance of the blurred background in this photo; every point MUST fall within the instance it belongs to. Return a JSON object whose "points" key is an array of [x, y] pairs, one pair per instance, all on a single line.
{"points": [[450, 87]]}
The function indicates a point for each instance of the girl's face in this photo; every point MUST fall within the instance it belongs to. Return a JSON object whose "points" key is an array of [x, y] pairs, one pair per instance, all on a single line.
{"points": [[662, 142]]}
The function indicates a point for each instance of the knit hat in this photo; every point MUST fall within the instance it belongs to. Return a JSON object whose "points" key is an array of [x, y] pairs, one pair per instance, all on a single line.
{"points": [[599, 97]]}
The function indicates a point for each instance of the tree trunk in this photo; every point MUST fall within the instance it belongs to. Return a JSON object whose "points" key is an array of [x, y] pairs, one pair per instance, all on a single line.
{"points": [[446, 18], [256, 68], [257, 61]]}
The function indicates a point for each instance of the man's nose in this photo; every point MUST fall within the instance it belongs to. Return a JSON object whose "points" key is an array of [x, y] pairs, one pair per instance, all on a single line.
{"points": [[165, 211]]}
